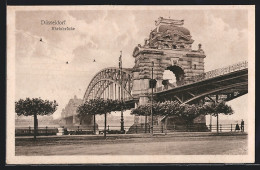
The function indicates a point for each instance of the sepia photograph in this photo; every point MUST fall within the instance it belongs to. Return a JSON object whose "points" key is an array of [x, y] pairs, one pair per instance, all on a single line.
{"points": [[130, 84]]}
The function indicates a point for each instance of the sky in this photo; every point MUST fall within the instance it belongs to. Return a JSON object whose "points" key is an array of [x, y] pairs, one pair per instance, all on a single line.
{"points": [[41, 69]]}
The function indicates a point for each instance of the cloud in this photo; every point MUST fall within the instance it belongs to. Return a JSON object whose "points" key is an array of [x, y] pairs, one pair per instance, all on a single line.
{"points": [[223, 44], [87, 16], [237, 19]]}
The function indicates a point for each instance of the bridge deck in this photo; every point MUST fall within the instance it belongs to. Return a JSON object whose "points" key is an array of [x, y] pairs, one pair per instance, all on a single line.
{"points": [[228, 84]]}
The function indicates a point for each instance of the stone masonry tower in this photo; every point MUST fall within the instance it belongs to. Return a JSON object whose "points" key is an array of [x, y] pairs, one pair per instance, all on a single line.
{"points": [[169, 47]]}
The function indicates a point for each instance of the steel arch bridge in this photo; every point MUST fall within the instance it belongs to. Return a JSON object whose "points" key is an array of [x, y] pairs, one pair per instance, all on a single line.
{"points": [[225, 84], [228, 83], [108, 82], [169, 47]]}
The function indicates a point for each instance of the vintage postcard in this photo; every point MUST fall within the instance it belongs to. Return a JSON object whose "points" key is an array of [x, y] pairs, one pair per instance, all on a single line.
{"points": [[130, 84]]}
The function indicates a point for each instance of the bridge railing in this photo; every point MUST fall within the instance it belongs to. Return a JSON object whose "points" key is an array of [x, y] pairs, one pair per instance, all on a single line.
{"points": [[221, 71], [210, 74]]}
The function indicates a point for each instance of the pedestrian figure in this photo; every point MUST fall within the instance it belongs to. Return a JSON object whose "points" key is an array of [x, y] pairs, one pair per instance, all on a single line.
{"points": [[242, 125], [237, 127]]}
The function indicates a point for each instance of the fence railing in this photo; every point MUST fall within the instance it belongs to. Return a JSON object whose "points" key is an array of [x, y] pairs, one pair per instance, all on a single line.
{"points": [[134, 129], [227, 128], [29, 131]]}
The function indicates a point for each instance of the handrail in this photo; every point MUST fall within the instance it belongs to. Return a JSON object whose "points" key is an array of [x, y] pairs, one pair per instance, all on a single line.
{"points": [[221, 71]]}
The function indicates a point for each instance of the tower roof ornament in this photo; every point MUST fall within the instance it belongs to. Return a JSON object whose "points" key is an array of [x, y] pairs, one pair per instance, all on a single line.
{"points": [[168, 21]]}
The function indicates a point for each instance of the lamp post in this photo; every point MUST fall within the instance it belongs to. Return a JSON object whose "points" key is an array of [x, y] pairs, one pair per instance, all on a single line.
{"points": [[217, 113], [152, 100], [122, 91], [210, 124]]}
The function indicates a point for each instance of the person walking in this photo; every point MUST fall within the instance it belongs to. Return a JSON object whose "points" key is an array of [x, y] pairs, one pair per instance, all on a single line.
{"points": [[242, 125], [237, 127]]}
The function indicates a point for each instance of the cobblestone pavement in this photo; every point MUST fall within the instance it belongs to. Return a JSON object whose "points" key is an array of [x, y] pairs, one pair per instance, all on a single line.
{"points": [[170, 144]]}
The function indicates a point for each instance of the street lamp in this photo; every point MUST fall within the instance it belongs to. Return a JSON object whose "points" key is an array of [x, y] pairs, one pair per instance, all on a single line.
{"points": [[217, 113], [121, 77], [152, 84]]}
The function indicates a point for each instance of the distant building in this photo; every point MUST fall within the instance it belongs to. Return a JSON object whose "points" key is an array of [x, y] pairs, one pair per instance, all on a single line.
{"points": [[69, 114]]}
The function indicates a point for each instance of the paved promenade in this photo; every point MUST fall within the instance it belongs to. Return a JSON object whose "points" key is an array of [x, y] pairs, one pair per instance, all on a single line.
{"points": [[178, 143]]}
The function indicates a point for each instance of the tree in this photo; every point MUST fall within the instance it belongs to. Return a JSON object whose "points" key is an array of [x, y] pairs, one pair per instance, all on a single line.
{"points": [[215, 108], [34, 107], [107, 107], [110, 105], [189, 112], [185, 111], [100, 106], [84, 110], [142, 110], [91, 107], [159, 109]]}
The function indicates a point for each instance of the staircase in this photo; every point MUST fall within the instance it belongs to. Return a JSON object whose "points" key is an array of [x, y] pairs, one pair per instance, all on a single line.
{"points": [[138, 128], [158, 129]]}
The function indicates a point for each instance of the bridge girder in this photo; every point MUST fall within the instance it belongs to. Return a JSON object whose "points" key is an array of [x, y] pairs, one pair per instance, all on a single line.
{"points": [[232, 85]]}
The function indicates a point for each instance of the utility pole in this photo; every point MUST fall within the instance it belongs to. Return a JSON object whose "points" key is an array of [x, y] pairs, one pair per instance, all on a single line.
{"points": [[152, 100], [145, 124], [217, 113], [105, 128], [122, 91], [94, 124], [210, 124]]}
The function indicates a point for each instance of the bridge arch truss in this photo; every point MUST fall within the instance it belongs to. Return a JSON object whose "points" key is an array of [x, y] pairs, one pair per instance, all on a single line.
{"points": [[107, 84]]}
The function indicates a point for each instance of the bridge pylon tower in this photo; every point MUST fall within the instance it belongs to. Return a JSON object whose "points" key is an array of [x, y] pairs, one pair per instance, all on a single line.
{"points": [[169, 47]]}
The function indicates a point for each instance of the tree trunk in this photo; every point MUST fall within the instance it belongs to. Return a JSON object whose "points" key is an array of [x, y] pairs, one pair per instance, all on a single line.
{"points": [[145, 124], [217, 122], [94, 124], [105, 128], [210, 125], [35, 125], [166, 120]]}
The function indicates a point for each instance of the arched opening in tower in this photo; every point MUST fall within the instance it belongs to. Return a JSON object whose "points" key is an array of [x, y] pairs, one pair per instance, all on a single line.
{"points": [[173, 76], [170, 76]]}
